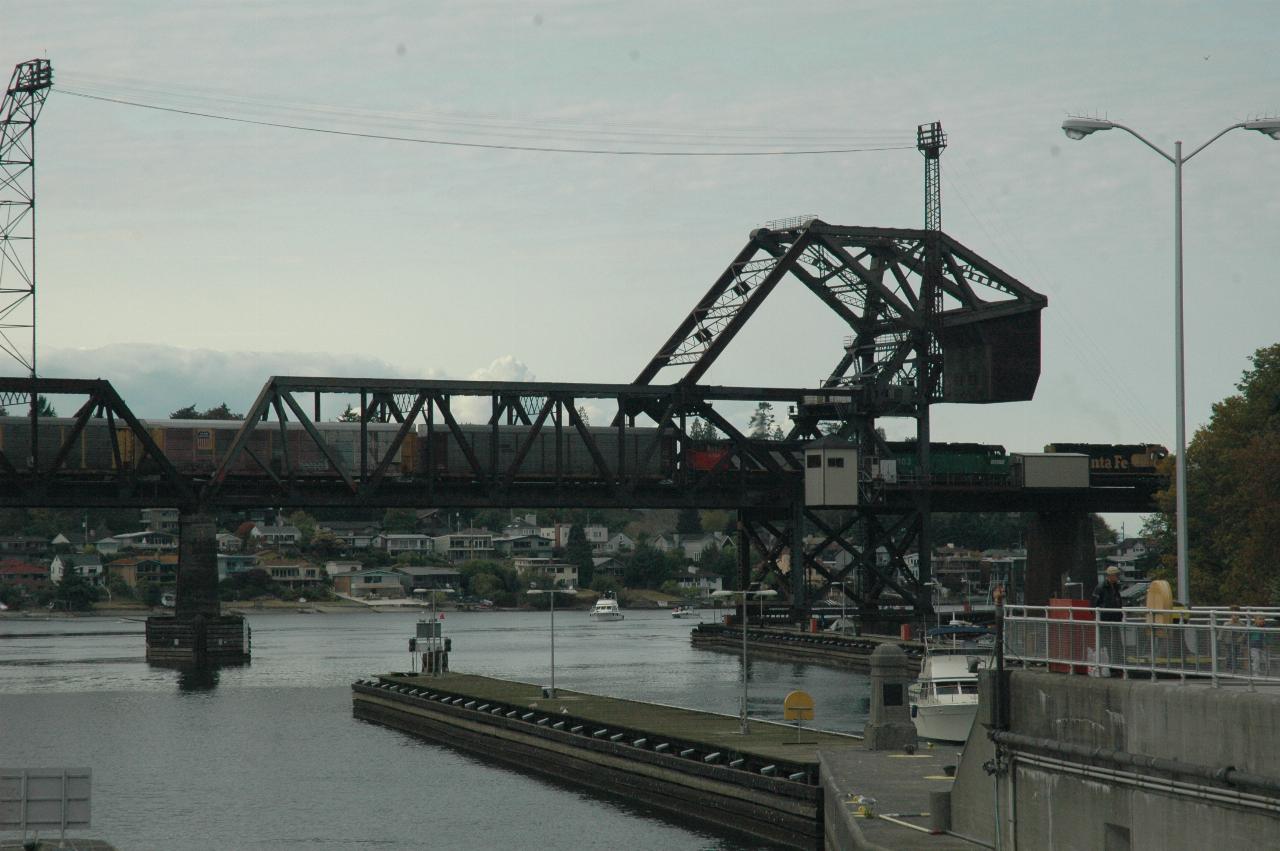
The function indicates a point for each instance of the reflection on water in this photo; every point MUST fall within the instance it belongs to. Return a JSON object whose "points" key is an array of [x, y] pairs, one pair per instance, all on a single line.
{"points": [[266, 755]]}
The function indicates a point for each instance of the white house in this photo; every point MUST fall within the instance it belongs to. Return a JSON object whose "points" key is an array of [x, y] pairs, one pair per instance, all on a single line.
{"points": [[619, 543], [704, 582], [90, 567], [229, 543], [148, 540], [277, 536], [107, 546], [404, 542]]}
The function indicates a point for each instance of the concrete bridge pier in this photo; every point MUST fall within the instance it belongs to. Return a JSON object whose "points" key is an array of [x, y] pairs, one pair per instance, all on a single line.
{"points": [[197, 633], [1059, 549]]}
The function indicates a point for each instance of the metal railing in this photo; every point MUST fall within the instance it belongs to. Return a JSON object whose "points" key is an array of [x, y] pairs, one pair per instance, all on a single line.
{"points": [[1216, 645]]}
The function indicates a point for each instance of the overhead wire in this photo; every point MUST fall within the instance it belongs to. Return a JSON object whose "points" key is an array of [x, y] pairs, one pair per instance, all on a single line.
{"points": [[186, 96], [539, 137]]}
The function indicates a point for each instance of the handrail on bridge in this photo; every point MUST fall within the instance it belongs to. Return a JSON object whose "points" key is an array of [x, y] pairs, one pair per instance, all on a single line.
{"points": [[1237, 645]]}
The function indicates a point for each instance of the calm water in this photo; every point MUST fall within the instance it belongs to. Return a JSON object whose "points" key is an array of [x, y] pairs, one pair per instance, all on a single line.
{"points": [[269, 756]]}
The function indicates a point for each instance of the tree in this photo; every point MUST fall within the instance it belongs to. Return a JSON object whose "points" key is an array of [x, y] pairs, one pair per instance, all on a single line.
{"points": [[306, 525], [689, 522], [578, 553], [647, 568], [221, 412], [350, 415], [400, 520], [762, 422], [582, 415], [1233, 491], [74, 593]]}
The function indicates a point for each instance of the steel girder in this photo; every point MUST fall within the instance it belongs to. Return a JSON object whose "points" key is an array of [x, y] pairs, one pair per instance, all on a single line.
{"points": [[899, 291], [29, 480]]}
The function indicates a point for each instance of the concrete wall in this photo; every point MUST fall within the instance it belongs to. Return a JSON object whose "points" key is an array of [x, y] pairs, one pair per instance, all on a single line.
{"points": [[1054, 807]]}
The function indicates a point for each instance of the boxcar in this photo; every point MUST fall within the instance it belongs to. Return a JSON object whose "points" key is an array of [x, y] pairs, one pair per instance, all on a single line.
{"points": [[91, 451], [440, 449]]}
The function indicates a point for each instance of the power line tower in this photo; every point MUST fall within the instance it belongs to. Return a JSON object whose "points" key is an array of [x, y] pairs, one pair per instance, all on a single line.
{"points": [[22, 103], [930, 141]]}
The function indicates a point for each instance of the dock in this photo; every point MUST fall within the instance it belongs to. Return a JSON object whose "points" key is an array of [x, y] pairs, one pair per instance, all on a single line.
{"points": [[694, 765]]}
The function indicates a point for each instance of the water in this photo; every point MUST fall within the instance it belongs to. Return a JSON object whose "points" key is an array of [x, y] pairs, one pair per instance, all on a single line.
{"points": [[268, 755]]}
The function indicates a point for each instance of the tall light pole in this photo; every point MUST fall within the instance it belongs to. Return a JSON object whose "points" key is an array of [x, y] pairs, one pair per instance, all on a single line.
{"points": [[743, 724], [1078, 128], [843, 598], [553, 592]]}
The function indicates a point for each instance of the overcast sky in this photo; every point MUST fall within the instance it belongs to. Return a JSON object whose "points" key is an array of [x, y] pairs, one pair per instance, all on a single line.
{"points": [[274, 251]]}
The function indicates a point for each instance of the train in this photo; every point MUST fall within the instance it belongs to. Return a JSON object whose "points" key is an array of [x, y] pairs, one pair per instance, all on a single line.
{"points": [[196, 447]]}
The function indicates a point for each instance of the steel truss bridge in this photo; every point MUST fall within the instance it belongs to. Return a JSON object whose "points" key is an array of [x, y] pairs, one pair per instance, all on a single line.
{"points": [[929, 320]]}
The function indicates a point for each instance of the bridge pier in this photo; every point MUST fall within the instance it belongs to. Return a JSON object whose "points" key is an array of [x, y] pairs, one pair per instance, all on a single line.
{"points": [[197, 633], [1059, 548]]}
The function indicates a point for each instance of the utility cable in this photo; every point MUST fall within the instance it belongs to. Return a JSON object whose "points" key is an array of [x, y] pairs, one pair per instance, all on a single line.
{"points": [[546, 149]]}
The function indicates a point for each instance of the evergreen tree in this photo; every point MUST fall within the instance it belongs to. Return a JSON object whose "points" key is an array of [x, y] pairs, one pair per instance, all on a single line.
{"points": [[578, 553], [762, 422], [689, 522]]}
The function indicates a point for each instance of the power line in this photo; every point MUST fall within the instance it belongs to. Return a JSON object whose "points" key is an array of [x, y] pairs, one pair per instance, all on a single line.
{"points": [[545, 149]]}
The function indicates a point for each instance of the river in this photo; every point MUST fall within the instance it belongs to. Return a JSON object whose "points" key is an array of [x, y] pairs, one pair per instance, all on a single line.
{"points": [[268, 755]]}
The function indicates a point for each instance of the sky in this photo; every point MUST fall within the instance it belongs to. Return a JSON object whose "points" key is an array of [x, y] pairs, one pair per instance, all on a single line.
{"points": [[187, 259]]}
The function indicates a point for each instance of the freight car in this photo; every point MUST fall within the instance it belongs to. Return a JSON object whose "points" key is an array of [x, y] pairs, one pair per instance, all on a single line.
{"points": [[645, 451], [1118, 462], [90, 453]]}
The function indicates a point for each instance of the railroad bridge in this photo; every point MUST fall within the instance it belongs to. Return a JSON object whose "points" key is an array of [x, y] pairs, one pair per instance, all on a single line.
{"points": [[928, 320]]}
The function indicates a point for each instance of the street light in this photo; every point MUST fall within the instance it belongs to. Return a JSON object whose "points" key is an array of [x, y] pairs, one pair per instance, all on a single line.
{"points": [[1078, 128], [742, 715], [553, 592]]}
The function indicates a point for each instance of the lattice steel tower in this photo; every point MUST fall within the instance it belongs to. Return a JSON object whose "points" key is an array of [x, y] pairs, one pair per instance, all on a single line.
{"points": [[930, 140], [22, 103]]}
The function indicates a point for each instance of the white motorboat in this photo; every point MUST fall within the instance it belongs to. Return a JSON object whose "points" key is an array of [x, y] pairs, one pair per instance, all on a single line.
{"points": [[606, 609], [944, 701], [686, 612]]}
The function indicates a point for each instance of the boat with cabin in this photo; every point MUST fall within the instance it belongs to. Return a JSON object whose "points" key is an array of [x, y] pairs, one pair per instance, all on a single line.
{"points": [[606, 609], [944, 701]]}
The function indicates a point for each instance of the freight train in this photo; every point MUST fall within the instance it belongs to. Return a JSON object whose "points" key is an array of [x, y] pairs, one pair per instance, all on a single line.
{"points": [[196, 447]]}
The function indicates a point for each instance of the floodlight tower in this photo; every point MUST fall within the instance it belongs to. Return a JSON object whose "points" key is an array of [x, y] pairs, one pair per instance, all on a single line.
{"points": [[930, 141], [23, 100]]}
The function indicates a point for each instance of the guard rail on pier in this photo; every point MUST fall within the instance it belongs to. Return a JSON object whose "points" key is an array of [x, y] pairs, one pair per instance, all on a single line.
{"points": [[1216, 645]]}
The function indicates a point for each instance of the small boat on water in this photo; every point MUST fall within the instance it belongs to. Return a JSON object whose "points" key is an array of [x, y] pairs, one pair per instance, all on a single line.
{"points": [[686, 612], [606, 609], [944, 701]]}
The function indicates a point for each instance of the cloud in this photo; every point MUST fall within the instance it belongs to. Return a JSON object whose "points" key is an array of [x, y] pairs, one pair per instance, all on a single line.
{"points": [[157, 379]]}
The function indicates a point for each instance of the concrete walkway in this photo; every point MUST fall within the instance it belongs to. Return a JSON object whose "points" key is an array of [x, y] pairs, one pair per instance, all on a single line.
{"points": [[892, 784]]}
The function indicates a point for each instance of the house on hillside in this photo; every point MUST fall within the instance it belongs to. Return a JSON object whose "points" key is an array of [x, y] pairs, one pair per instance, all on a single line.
{"points": [[157, 570], [619, 543], [607, 566], [703, 582], [429, 577], [160, 520], [229, 543], [25, 545], [24, 574], [522, 546], [87, 566], [148, 540], [376, 582], [277, 536], [297, 576], [465, 545], [234, 564], [352, 534], [397, 543], [691, 546]]}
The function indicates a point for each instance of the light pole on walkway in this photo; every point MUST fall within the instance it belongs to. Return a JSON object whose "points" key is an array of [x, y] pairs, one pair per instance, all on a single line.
{"points": [[1078, 128], [553, 592], [743, 724]]}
